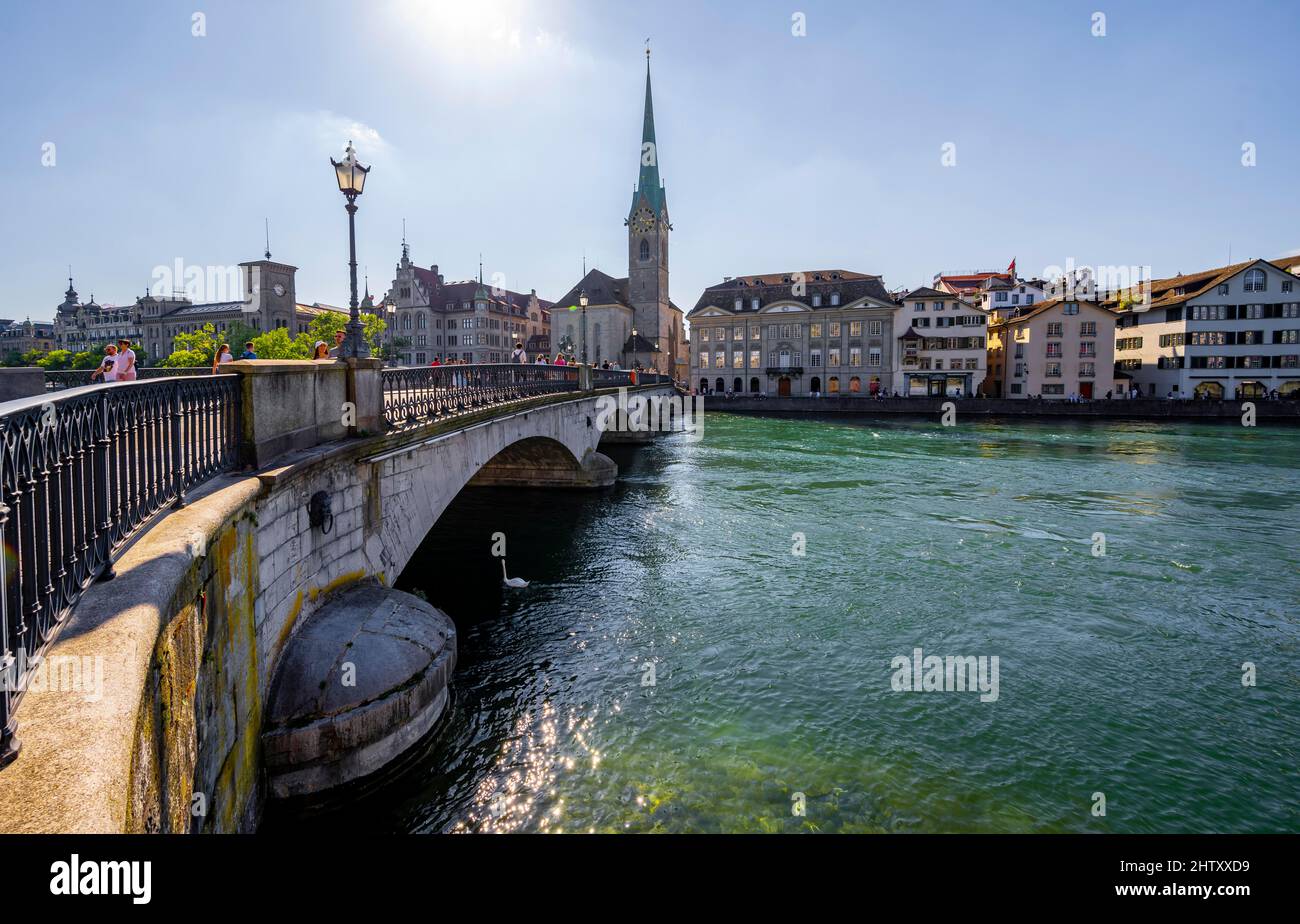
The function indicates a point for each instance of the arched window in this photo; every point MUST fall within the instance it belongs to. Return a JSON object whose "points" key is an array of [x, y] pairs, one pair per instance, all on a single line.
{"points": [[753, 385], [834, 387], [406, 322], [1256, 281], [645, 249], [421, 321], [737, 386], [722, 386]]}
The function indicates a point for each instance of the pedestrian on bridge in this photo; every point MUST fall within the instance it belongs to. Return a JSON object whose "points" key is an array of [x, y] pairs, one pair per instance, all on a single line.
{"points": [[104, 370], [519, 356], [124, 362], [248, 351], [223, 355], [321, 350]]}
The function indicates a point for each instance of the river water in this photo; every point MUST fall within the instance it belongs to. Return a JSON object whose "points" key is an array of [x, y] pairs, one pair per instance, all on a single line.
{"points": [[674, 665]]}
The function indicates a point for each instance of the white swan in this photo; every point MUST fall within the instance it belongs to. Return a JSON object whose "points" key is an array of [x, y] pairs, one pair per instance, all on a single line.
{"points": [[509, 581]]}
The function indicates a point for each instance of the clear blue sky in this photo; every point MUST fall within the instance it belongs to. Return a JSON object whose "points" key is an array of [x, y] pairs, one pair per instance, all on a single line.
{"points": [[512, 128]]}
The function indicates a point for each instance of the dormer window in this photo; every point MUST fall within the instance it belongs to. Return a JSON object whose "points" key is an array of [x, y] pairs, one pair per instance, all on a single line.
{"points": [[1256, 281], [740, 302], [817, 299], [753, 303], [835, 298]]}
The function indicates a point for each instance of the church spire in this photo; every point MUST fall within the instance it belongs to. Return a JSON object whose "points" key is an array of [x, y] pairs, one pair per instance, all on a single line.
{"points": [[648, 182]]}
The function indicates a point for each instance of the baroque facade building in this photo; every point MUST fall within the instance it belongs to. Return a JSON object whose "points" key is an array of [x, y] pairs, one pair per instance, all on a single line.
{"points": [[799, 333], [430, 318], [20, 337], [153, 321], [631, 320]]}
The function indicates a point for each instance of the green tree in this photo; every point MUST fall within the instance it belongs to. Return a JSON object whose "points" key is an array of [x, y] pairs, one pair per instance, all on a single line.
{"points": [[196, 349], [237, 333], [277, 344], [326, 324], [87, 360], [12, 358], [55, 359]]}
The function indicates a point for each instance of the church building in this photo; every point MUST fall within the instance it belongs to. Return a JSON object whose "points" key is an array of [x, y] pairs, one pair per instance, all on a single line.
{"points": [[631, 320]]}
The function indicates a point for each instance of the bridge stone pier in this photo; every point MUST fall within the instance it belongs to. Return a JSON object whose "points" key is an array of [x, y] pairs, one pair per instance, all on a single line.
{"points": [[190, 635]]}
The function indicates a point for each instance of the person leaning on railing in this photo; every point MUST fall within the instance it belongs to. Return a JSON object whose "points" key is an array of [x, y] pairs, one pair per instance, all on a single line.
{"points": [[222, 356], [105, 370]]}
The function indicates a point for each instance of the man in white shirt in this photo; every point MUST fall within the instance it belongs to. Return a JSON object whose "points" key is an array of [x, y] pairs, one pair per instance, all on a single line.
{"points": [[105, 370]]}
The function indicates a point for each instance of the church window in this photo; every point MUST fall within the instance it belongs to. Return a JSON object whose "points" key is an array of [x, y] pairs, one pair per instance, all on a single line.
{"points": [[645, 249]]}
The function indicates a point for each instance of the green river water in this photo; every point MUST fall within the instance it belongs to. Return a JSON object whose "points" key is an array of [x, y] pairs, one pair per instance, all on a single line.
{"points": [[1118, 674]]}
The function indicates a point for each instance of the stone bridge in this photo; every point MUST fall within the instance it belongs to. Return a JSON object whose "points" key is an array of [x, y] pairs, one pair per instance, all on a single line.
{"points": [[162, 727]]}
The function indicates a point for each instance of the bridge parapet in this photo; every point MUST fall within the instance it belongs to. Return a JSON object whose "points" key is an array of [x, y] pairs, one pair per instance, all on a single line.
{"points": [[205, 601]]}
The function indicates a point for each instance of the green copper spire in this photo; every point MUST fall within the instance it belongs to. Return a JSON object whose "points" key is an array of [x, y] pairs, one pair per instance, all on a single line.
{"points": [[648, 182]]}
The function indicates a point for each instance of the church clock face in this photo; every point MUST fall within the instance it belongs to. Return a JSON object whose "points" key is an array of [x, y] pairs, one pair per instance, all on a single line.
{"points": [[643, 222]]}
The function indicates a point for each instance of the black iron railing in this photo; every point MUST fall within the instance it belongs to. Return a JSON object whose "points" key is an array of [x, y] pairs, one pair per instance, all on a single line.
{"points": [[424, 393], [610, 378], [80, 472], [59, 379]]}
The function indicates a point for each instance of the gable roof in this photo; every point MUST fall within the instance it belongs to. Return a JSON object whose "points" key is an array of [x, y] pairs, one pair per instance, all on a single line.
{"points": [[1175, 290], [1047, 305]]}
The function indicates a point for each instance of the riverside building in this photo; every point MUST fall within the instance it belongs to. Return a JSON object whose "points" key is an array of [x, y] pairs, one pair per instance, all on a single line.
{"points": [[1056, 350], [1228, 332], [797, 333], [942, 345]]}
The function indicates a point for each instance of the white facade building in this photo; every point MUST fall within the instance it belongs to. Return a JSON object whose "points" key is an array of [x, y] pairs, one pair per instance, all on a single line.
{"points": [[1228, 332]]}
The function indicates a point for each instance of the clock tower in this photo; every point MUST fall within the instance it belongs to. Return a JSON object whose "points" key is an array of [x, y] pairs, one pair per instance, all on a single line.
{"points": [[647, 254]]}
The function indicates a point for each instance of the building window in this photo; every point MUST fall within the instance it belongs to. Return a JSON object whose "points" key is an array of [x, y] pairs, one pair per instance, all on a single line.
{"points": [[1055, 329], [833, 358], [835, 328], [835, 298], [753, 303], [873, 328], [817, 301], [1256, 281], [815, 329], [1054, 349], [739, 303], [755, 356], [704, 335], [855, 328], [855, 356], [873, 356], [738, 333], [1088, 329], [645, 249], [1053, 371], [816, 358]]}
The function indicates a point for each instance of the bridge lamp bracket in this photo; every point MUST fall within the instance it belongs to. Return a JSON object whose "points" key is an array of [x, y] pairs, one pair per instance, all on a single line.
{"points": [[319, 512]]}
